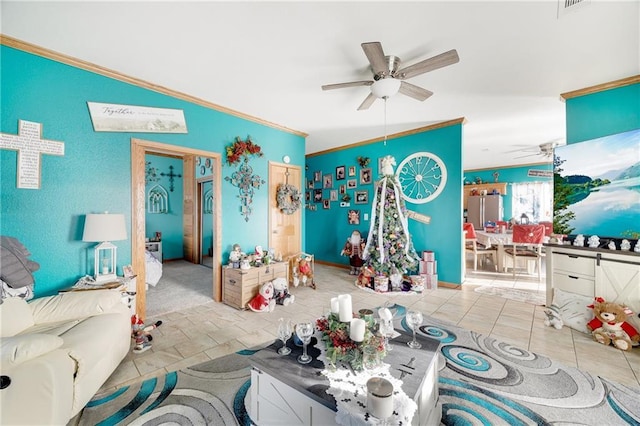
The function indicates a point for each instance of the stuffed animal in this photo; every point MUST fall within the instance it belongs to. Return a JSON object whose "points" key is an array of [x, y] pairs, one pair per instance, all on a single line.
{"points": [[610, 326], [553, 319], [141, 334], [263, 301], [281, 292], [366, 276], [305, 273]]}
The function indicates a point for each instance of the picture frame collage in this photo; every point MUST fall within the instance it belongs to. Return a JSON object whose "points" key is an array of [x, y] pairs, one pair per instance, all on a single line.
{"points": [[345, 185]]}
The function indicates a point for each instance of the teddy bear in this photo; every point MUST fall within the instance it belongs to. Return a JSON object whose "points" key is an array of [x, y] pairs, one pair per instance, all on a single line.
{"points": [[263, 301], [610, 326], [553, 319], [305, 273], [141, 334], [281, 291], [365, 278]]}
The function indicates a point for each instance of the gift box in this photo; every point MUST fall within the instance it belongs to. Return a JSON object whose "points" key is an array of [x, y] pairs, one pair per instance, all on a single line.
{"points": [[381, 284], [428, 256], [428, 267], [430, 281]]}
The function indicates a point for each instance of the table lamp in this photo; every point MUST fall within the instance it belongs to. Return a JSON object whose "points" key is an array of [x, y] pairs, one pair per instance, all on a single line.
{"points": [[104, 228]]}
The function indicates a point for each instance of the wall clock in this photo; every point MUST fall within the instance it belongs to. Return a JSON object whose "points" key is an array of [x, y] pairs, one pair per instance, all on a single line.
{"points": [[422, 176]]}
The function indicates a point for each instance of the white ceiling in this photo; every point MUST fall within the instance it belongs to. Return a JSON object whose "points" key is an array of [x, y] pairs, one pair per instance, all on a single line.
{"points": [[269, 59]]}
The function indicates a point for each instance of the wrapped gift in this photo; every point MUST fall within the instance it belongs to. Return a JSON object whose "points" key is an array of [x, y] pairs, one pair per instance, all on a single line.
{"points": [[428, 256], [381, 283], [430, 281]]}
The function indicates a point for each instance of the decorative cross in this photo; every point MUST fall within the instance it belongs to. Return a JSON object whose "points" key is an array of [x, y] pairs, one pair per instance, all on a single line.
{"points": [[29, 144], [171, 176], [246, 182]]}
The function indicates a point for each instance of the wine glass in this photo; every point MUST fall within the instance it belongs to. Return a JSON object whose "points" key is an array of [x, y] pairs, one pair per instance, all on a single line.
{"points": [[304, 330], [386, 330], [414, 320], [284, 333]]}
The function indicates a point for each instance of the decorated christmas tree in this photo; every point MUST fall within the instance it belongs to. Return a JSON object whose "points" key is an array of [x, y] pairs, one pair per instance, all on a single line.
{"points": [[389, 249]]}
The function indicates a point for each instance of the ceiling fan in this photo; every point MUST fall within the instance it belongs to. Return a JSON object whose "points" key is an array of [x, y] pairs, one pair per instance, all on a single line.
{"points": [[544, 150], [388, 79]]}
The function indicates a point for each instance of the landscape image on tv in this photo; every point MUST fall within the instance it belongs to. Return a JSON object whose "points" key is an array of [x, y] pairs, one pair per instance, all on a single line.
{"points": [[599, 179]]}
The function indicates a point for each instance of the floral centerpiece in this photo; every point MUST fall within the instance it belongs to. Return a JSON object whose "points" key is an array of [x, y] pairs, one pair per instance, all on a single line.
{"points": [[240, 149], [340, 347]]}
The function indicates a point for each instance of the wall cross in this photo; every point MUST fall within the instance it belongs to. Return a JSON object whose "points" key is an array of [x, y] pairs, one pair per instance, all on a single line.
{"points": [[29, 145], [171, 175]]}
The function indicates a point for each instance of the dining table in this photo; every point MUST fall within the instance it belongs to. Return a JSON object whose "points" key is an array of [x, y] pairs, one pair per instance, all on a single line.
{"points": [[498, 239]]}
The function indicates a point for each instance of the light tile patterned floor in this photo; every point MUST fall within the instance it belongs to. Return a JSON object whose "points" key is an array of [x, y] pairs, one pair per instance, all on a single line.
{"points": [[212, 330]]}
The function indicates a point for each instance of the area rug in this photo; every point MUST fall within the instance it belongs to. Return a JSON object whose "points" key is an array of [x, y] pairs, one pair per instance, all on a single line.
{"points": [[527, 296], [482, 381]]}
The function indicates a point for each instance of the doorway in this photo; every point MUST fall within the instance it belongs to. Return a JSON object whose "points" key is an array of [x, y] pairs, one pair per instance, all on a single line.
{"points": [[205, 222], [191, 206]]}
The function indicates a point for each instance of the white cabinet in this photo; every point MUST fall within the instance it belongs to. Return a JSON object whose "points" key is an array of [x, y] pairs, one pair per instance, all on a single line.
{"points": [[614, 276], [155, 248]]}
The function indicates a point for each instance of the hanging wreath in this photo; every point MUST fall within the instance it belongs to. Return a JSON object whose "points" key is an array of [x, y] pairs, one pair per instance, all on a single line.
{"points": [[288, 198]]}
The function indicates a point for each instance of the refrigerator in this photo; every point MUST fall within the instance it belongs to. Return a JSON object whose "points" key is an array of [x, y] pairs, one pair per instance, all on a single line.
{"points": [[484, 208]]}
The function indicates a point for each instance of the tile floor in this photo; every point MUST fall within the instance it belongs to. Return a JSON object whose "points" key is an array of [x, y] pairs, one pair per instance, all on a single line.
{"points": [[212, 330]]}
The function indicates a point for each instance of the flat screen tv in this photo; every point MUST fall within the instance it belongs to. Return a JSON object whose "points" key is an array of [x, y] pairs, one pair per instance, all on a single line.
{"points": [[599, 183]]}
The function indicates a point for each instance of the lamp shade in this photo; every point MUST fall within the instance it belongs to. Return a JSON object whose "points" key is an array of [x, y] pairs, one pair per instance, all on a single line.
{"points": [[104, 227], [385, 87]]}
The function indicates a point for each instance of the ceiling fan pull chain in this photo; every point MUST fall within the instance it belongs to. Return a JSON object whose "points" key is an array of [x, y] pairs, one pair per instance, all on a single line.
{"points": [[385, 121]]}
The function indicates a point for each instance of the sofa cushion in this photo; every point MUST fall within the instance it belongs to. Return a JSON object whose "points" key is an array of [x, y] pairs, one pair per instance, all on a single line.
{"points": [[75, 304], [15, 350], [15, 316]]}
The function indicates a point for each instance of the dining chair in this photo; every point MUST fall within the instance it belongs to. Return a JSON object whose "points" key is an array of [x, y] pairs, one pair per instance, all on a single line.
{"points": [[526, 244], [471, 245]]}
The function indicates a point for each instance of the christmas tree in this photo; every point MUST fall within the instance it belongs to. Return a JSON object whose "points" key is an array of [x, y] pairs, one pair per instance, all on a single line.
{"points": [[389, 249]]}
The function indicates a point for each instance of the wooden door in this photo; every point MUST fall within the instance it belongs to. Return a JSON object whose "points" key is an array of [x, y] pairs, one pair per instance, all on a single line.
{"points": [[285, 234]]}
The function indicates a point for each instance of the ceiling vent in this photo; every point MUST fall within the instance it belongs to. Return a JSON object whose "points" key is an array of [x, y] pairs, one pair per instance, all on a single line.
{"points": [[566, 6]]}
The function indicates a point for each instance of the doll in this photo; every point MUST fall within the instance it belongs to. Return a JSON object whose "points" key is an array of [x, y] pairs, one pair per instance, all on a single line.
{"points": [[354, 249]]}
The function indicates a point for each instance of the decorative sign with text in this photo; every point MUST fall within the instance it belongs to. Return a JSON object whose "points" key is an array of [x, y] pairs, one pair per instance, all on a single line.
{"points": [[540, 173], [29, 145], [129, 118]]}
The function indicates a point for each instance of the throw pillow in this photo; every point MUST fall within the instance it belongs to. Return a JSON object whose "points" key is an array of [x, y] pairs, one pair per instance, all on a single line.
{"points": [[573, 309]]}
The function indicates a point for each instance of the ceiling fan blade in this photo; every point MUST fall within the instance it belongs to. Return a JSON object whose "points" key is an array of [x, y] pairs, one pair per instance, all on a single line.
{"points": [[438, 61], [368, 101], [376, 58], [350, 84], [414, 91]]}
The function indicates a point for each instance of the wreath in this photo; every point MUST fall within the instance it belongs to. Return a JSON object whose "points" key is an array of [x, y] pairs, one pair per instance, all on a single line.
{"points": [[288, 198]]}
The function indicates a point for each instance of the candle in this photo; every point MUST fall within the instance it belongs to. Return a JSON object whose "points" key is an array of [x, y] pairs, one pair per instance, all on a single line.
{"points": [[335, 307], [344, 307], [356, 331]]}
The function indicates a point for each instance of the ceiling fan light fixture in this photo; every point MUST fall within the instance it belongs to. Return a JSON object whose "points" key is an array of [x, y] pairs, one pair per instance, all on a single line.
{"points": [[385, 87]]}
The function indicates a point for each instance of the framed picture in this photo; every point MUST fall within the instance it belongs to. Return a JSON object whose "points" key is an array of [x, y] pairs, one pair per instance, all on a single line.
{"points": [[327, 181], [340, 173], [333, 195], [352, 183], [343, 189], [353, 217], [317, 176], [128, 271], [365, 176], [380, 166], [310, 184], [352, 171], [326, 204], [307, 196], [362, 197], [344, 204], [317, 195]]}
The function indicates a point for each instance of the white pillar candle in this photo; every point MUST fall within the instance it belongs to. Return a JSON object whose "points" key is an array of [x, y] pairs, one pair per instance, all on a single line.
{"points": [[344, 308], [335, 307], [356, 331]]}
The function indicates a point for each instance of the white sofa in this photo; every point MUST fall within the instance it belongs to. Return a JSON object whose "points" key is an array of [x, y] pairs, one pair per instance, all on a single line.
{"points": [[57, 352]]}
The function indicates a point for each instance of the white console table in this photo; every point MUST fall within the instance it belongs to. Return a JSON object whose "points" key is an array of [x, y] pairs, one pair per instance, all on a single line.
{"points": [[284, 392], [611, 274]]}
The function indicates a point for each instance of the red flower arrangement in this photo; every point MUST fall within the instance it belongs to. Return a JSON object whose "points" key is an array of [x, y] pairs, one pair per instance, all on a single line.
{"points": [[242, 149]]}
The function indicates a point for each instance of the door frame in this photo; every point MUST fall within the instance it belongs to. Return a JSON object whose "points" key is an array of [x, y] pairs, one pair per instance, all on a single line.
{"points": [[139, 148]]}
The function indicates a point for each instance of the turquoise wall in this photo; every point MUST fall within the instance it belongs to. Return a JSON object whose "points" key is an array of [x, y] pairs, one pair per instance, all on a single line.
{"points": [[327, 229], [603, 113], [510, 175], [94, 175], [169, 223]]}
